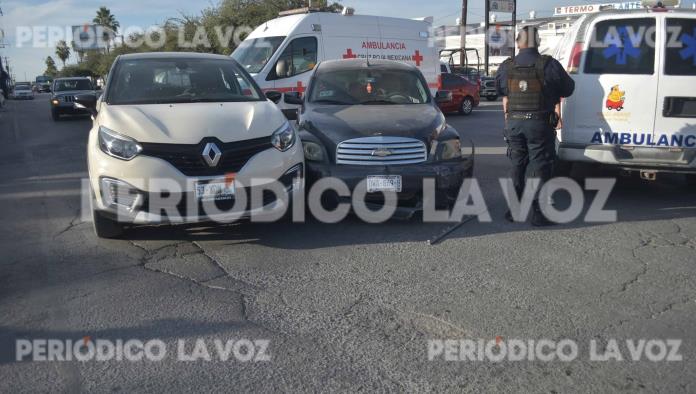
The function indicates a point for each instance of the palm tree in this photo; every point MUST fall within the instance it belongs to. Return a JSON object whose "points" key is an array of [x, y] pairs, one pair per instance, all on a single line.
{"points": [[108, 20], [63, 51], [51, 69]]}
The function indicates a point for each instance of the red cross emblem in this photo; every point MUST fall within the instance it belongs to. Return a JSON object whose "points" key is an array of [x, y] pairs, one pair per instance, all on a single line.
{"points": [[418, 58], [300, 87], [350, 55]]}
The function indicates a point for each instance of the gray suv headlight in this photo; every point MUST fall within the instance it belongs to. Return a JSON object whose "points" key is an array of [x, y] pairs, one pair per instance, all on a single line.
{"points": [[284, 138], [117, 145], [447, 150], [313, 151]]}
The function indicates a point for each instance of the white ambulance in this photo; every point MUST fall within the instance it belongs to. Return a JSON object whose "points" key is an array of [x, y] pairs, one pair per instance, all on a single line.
{"points": [[280, 53], [635, 100]]}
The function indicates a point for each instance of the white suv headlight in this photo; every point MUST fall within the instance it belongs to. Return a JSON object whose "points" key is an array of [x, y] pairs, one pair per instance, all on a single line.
{"points": [[284, 138], [117, 145]]}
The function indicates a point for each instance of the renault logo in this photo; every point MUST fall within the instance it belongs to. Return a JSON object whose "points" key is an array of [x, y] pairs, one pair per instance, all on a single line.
{"points": [[382, 152], [212, 154]]}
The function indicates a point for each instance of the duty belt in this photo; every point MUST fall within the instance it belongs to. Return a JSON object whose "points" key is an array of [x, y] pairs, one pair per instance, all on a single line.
{"points": [[530, 116]]}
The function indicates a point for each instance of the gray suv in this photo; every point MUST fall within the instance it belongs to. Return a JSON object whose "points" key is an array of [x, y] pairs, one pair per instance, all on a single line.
{"points": [[63, 96]]}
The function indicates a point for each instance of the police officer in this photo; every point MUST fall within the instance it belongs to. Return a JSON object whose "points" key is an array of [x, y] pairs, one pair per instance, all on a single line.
{"points": [[4, 81], [532, 86]]}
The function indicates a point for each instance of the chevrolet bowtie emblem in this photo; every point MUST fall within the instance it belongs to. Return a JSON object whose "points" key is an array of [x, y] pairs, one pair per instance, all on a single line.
{"points": [[382, 152]]}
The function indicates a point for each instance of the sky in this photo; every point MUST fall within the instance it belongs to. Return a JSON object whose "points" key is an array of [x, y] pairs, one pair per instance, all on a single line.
{"points": [[32, 13]]}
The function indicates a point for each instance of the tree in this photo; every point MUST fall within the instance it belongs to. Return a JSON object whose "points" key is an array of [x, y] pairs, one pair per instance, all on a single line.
{"points": [[63, 51], [108, 20], [51, 70], [80, 53]]}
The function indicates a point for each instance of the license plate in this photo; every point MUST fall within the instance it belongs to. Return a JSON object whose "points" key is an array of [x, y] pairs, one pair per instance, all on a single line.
{"points": [[384, 183], [206, 191]]}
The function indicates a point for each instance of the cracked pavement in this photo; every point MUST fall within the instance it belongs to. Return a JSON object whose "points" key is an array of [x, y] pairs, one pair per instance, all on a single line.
{"points": [[347, 307]]}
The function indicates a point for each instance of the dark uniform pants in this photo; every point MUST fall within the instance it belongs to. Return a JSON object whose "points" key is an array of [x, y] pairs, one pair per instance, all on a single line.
{"points": [[531, 145]]}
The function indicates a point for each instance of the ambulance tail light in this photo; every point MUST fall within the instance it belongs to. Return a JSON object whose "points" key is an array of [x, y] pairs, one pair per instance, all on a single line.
{"points": [[575, 57]]}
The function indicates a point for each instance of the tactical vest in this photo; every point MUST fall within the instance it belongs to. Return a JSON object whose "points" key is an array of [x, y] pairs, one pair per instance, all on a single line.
{"points": [[526, 86]]}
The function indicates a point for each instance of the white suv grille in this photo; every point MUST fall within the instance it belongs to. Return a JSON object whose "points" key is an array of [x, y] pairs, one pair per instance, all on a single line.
{"points": [[380, 151]]}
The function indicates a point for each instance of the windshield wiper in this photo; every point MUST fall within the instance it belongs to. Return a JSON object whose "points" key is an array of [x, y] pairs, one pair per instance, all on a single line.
{"points": [[378, 102], [331, 102]]}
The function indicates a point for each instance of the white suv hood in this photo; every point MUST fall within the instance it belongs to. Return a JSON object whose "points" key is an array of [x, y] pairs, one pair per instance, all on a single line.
{"points": [[191, 122]]}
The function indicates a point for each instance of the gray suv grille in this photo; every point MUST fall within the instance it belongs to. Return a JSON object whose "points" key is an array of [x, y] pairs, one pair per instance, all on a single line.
{"points": [[380, 151]]}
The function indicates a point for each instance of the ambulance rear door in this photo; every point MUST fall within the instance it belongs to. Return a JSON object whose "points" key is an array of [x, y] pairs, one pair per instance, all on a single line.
{"points": [[616, 87], [675, 114]]}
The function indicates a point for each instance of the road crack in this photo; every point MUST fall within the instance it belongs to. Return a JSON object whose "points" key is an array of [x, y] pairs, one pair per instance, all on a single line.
{"points": [[74, 222], [235, 286]]}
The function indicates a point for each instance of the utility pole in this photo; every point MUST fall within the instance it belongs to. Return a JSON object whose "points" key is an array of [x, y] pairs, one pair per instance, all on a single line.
{"points": [[514, 28], [486, 37], [462, 32]]}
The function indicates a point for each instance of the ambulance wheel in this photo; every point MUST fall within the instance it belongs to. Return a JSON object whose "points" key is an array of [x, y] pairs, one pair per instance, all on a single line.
{"points": [[467, 106]]}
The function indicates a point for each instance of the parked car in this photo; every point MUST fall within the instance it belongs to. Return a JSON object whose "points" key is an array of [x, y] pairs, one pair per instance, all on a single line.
{"points": [[378, 122], [464, 94], [22, 91], [63, 96], [185, 119], [489, 90], [634, 112], [43, 84]]}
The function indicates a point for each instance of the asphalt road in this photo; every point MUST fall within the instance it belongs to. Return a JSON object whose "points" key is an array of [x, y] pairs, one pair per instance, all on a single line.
{"points": [[346, 307]]}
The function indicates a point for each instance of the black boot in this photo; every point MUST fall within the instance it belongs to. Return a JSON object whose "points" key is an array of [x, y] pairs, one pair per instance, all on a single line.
{"points": [[538, 217]]}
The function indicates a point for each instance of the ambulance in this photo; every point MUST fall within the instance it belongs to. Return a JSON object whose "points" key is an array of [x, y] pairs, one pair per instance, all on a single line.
{"points": [[634, 105], [281, 53]]}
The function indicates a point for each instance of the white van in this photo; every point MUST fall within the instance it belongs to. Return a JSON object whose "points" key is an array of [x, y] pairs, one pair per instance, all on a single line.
{"points": [[280, 53], [635, 99]]}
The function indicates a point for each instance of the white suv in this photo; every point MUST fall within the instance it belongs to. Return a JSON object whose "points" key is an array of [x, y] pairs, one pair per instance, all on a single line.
{"points": [[184, 137]]}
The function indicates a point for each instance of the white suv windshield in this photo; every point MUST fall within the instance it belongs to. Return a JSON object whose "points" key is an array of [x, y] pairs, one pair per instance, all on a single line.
{"points": [[164, 81], [254, 54]]}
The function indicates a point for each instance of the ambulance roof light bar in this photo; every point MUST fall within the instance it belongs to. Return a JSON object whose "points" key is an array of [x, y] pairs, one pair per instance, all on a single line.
{"points": [[656, 4], [347, 11], [298, 11]]}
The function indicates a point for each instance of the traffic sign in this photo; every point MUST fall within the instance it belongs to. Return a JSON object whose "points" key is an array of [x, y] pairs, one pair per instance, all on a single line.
{"points": [[502, 5]]}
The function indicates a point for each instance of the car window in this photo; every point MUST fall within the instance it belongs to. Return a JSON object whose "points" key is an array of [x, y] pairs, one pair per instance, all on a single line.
{"points": [[622, 46], [299, 56], [363, 86], [159, 81], [443, 68], [450, 82], [680, 58], [254, 54]]}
